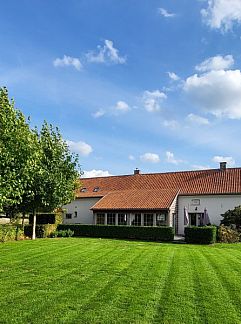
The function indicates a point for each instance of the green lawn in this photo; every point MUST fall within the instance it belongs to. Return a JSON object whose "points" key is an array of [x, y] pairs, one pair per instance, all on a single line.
{"points": [[81, 280]]}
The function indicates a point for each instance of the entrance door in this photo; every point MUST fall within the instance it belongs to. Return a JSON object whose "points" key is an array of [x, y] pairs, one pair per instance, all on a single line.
{"points": [[195, 219]]}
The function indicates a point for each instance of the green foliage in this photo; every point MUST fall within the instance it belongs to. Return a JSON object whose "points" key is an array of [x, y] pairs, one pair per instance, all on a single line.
{"points": [[123, 232], [232, 217], [10, 233], [62, 233], [18, 151], [227, 235], [200, 234]]}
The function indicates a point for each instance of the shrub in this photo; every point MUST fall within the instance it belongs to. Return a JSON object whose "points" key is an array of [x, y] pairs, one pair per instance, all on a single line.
{"points": [[10, 233], [232, 217], [62, 233], [200, 235], [123, 232], [228, 235]]}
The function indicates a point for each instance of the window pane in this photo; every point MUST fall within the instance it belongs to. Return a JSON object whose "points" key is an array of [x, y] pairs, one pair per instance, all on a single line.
{"points": [[100, 219], [122, 219], [68, 216], [137, 220], [148, 219], [161, 219], [111, 219]]}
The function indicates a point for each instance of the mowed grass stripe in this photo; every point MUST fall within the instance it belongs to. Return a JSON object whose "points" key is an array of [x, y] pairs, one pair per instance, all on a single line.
{"points": [[83, 280]]}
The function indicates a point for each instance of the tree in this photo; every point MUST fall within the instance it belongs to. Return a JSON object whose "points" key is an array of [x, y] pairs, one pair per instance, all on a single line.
{"points": [[57, 174], [18, 151], [37, 171], [232, 217]]}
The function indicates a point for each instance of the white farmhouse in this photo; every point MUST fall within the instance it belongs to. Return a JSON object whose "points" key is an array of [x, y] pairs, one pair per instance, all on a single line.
{"points": [[156, 199]]}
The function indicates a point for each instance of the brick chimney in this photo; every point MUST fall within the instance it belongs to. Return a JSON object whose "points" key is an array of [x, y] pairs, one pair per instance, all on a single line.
{"points": [[136, 171], [223, 166]]}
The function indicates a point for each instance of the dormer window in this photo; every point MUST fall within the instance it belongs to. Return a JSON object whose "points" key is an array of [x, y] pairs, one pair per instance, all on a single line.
{"points": [[96, 189], [83, 189]]}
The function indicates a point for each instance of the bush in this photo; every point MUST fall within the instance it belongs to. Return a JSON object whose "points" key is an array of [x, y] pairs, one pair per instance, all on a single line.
{"points": [[62, 233], [232, 217], [200, 235], [123, 232], [42, 231], [10, 233], [227, 235]]}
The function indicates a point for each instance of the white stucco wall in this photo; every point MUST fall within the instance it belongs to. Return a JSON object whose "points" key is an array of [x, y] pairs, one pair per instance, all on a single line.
{"points": [[82, 207], [215, 204]]}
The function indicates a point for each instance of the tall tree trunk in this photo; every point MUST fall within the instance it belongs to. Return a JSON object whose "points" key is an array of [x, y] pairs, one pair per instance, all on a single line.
{"points": [[34, 225], [23, 219]]}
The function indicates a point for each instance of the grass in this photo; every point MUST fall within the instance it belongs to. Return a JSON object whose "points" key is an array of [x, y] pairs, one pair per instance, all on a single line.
{"points": [[83, 280]]}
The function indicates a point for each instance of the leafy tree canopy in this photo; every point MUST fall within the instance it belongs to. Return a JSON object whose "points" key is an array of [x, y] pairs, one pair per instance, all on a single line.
{"points": [[232, 217]]}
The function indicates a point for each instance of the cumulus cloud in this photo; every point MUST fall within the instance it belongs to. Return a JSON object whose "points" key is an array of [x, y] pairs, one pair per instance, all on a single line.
{"points": [[195, 119], [105, 54], [172, 124], [229, 159], [222, 14], [217, 92], [99, 113], [121, 106], [216, 63], [153, 99], [163, 12], [171, 159], [150, 157], [68, 61], [173, 76], [80, 147], [96, 173]]}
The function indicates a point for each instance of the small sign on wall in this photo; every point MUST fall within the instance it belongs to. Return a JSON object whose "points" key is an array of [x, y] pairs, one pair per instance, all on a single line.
{"points": [[195, 202]]}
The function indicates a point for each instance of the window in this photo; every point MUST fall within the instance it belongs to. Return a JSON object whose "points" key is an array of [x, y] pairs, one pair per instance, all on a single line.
{"points": [[111, 219], [100, 218], [83, 189], [137, 220], [75, 214], [148, 219], [122, 219], [96, 189], [161, 219], [68, 216]]}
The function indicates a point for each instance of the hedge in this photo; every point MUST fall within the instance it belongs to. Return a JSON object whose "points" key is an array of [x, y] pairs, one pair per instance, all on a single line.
{"points": [[201, 234], [123, 232], [42, 231], [9, 232]]}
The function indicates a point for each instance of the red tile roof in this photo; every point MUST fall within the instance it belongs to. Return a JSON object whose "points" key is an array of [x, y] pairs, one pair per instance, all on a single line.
{"points": [[167, 184], [136, 199]]}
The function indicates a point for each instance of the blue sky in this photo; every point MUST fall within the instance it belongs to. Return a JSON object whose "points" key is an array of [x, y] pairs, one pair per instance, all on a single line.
{"points": [[132, 83]]}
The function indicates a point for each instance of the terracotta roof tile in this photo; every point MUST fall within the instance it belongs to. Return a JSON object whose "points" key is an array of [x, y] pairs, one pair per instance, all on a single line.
{"points": [[146, 185], [136, 199]]}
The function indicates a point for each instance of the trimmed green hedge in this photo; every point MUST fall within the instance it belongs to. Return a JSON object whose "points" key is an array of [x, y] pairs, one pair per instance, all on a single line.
{"points": [[200, 235], [9, 232], [123, 232]]}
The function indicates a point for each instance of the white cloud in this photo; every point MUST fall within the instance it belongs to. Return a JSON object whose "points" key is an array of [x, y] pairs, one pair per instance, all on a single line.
{"points": [[153, 99], [173, 76], [229, 159], [218, 92], [200, 167], [195, 119], [131, 157], [216, 63], [68, 61], [150, 157], [172, 124], [80, 147], [171, 159], [121, 106], [99, 113], [96, 173], [222, 14], [163, 12], [105, 54]]}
